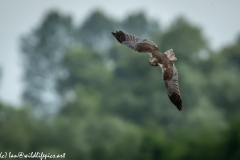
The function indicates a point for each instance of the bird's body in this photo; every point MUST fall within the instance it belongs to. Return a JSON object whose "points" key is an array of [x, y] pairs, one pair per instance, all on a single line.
{"points": [[169, 71]]}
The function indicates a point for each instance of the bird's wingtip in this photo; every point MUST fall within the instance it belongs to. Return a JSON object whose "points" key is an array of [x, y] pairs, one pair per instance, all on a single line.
{"points": [[176, 100], [119, 35]]}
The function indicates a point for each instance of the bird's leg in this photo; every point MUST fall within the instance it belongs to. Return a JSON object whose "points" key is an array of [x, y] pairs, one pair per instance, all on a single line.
{"points": [[153, 61]]}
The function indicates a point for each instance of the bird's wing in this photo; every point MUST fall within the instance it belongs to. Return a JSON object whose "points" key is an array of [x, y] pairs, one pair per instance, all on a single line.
{"points": [[170, 78], [135, 43]]}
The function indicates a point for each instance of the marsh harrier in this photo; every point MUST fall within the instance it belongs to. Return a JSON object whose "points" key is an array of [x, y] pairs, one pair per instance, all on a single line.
{"points": [[169, 71]]}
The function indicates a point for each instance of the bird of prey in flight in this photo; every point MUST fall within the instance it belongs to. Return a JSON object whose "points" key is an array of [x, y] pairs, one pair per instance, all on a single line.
{"points": [[169, 71]]}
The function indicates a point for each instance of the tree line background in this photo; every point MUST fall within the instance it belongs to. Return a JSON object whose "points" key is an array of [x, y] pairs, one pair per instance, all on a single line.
{"points": [[88, 96]]}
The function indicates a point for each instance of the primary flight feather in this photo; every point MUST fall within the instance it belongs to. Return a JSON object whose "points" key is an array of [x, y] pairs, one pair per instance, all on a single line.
{"points": [[169, 71]]}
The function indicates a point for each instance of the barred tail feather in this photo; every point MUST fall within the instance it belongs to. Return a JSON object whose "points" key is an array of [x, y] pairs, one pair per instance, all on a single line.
{"points": [[170, 54]]}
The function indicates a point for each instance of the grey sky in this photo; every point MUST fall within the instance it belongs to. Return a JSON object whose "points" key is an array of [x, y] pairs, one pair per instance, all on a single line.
{"points": [[219, 20]]}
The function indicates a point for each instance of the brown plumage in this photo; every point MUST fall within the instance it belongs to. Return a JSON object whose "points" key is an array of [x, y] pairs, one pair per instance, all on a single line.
{"points": [[169, 71]]}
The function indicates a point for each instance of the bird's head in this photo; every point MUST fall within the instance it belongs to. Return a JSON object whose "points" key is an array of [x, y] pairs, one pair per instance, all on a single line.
{"points": [[153, 61]]}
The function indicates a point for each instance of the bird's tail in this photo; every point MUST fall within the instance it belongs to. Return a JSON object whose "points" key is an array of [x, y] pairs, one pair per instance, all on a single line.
{"points": [[170, 54]]}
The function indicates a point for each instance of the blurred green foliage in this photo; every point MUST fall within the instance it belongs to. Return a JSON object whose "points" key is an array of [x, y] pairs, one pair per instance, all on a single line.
{"points": [[92, 98]]}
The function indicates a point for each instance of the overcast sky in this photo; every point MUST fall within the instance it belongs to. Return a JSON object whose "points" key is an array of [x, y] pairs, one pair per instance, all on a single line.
{"points": [[219, 20]]}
